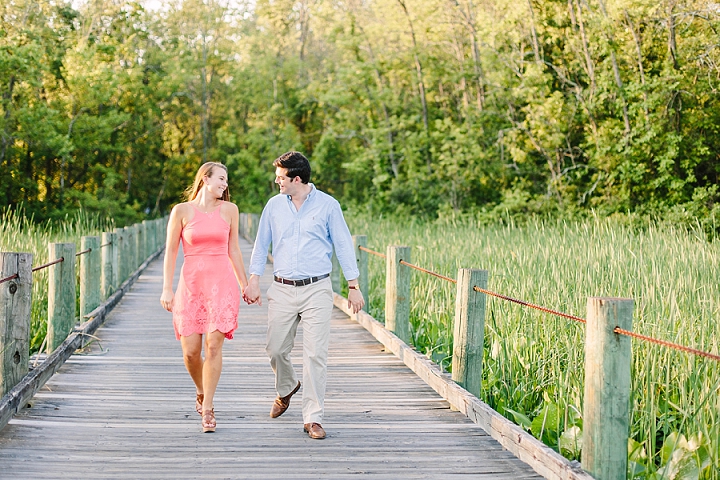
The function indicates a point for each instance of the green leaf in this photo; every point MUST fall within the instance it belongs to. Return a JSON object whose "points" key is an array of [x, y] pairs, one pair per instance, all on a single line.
{"points": [[520, 418], [571, 442]]}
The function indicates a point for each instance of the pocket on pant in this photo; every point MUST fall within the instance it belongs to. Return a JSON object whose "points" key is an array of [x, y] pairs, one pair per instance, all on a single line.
{"points": [[270, 292]]}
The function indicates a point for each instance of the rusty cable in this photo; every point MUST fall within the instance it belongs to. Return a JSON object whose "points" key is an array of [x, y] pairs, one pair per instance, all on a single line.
{"points": [[11, 277], [528, 304], [14, 276], [665, 343], [83, 252], [61, 259], [452, 280], [372, 251], [105, 244], [617, 330]]}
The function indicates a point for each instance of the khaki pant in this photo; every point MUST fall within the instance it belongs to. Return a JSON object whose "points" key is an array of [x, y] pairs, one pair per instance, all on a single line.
{"points": [[287, 307]]}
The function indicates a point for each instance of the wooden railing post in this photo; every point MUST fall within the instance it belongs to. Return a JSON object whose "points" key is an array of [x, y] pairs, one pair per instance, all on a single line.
{"points": [[129, 251], [335, 274], [121, 256], [157, 230], [607, 388], [90, 275], [15, 304], [108, 273], [397, 292], [147, 240], [361, 257], [61, 293], [254, 223], [241, 225], [157, 241], [162, 230], [469, 329], [139, 241]]}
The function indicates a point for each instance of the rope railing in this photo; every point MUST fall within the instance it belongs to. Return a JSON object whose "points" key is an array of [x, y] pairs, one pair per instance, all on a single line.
{"points": [[451, 280], [11, 277], [618, 330], [665, 343], [530, 305], [49, 264], [372, 252]]}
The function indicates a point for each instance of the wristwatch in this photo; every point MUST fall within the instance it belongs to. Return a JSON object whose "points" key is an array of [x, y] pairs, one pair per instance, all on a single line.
{"points": [[354, 287]]}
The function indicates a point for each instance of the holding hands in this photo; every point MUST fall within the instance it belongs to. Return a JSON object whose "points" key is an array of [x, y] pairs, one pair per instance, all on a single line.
{"points": [[251, 293]]}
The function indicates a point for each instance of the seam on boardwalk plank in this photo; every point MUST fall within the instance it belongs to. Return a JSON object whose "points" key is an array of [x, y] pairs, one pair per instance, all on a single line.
{"points": [[527, 448]]}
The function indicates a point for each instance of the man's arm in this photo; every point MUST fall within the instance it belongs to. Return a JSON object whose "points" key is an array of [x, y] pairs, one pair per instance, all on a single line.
{"points": [[342, 241]]}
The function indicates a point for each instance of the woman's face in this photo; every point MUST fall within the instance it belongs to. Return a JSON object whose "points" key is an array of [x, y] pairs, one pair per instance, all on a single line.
{"points": [[216, 182]]}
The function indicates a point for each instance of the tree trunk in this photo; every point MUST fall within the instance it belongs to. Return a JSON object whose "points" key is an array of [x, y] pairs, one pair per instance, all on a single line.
{"points": [[421, 88], [616, 73], [638, 51], [536, 44], [578, 19]]}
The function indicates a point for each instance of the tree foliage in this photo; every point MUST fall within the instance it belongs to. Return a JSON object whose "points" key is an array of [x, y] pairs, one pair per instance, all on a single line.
{"points": [[402, 105]]}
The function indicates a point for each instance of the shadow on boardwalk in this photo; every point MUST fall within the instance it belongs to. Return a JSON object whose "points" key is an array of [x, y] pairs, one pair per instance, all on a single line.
{"points": [[125, 409]]}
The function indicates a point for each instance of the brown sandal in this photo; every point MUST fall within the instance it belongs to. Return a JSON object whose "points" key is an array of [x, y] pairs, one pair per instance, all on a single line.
{"points": [[208, 421], [198, 402]]}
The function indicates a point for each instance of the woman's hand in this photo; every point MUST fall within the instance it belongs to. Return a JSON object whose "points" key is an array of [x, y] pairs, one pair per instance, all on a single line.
{"points": [[167, 299]]}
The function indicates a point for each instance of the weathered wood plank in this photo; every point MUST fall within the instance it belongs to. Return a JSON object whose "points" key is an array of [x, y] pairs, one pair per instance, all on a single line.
{"points": [[125, 409], [15, 305], [527, 448]]}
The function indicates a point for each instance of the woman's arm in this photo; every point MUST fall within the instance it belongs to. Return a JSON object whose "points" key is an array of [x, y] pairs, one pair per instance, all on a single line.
{"points": [[172, 242]]}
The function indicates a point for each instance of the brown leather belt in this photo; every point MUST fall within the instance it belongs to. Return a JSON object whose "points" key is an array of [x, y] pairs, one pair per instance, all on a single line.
{"points": [[300, 283]]}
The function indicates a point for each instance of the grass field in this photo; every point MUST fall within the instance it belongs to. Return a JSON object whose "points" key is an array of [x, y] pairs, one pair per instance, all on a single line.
{"points": [[533, 362], [21, 234]]}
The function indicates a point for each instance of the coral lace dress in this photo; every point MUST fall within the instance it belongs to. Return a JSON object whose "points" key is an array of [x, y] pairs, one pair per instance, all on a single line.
{"points": [[208, 296]]}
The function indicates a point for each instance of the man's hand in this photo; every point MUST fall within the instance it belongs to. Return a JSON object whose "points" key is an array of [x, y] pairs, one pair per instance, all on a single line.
{"points": [[251, 294], [355, 300]]}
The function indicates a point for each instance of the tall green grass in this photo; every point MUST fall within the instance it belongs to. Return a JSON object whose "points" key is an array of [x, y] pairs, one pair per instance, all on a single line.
{"points": [[19, 233], [533, 362]]}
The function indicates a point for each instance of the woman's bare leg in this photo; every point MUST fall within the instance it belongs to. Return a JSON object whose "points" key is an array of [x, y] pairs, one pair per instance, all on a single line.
{"points": [[212, 366], [192, 354]]}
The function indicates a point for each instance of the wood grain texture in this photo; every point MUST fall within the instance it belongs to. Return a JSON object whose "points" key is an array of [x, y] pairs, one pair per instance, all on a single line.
{"points": [[469, 329], [124, 408], [524, 446], [606, 416], [15, 306], [397, 291], [90, 278], [61, 294], [109, 269], [22, 392]]}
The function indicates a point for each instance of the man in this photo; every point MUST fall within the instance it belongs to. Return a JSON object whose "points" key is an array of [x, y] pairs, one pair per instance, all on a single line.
{"points": [[303, 224]]}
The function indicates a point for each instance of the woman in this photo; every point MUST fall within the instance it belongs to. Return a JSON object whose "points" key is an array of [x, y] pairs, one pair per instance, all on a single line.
{"points": [[208, 298]]}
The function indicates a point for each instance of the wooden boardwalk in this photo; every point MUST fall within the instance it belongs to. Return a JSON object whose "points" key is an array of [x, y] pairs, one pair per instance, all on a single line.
{"points": [[125, 409]]}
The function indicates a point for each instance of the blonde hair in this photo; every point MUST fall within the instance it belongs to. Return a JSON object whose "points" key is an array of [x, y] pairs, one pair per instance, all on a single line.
{"points": [[205, 169]]}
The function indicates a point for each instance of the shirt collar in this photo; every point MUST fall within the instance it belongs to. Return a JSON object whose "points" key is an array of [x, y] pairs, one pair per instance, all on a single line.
{"points": [[310, 195]]}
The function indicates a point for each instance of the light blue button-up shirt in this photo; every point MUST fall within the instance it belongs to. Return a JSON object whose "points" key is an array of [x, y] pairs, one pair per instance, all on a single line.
{"points": [[303, 240]]}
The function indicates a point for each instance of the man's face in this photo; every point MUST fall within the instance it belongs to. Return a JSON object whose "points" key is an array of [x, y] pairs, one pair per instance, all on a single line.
{"points": [[288, 186]]}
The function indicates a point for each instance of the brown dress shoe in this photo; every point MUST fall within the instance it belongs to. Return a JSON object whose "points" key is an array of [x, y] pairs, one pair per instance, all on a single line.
{"points": [[314, 430], [282, 403]]}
